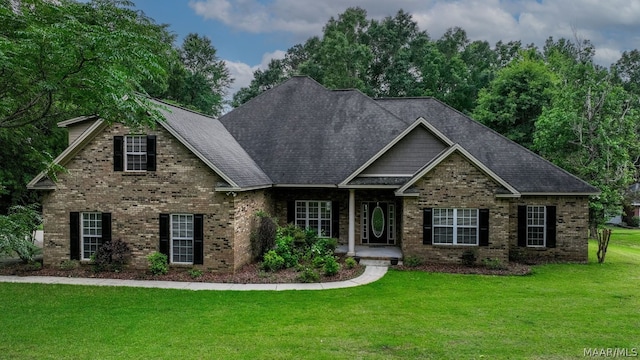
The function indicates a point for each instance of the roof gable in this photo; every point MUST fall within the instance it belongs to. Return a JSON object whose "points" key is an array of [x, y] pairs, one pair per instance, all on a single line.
{"points": [[456, 148], [407, 153]]}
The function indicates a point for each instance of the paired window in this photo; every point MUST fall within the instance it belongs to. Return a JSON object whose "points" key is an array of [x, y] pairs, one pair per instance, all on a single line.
{"points": [[537, 226], [182, 238], [455, 226], [134, 153], [314, 215], [447, 226], [88, 231]]}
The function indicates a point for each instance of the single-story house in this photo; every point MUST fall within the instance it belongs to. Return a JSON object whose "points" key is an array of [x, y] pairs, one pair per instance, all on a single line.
{"points": [[411, 173]]}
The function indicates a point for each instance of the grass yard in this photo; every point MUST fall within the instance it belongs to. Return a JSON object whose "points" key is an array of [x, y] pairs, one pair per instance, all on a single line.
{"points": [[553, 314]]}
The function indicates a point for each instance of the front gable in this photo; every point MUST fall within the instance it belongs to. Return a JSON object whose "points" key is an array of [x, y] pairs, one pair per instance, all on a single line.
{"points": [[456, 177], [400, 159]]}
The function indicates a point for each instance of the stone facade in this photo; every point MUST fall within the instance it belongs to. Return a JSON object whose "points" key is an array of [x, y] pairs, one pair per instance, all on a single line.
{"points": [[247, 204], [181, 184]]}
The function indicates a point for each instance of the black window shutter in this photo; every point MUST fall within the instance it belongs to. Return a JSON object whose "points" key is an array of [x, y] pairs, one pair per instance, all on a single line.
{"points": [[335, 219], [74, 235], [164, 235], [291, 212], [118, 153], [198, 239], [151, 153], [483, 220], [551, 226], [522, 225], [427, 226], [106, 228]]}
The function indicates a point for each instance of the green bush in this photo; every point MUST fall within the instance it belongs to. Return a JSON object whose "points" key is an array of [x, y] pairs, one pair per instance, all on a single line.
{"points": [[16, 232], [413, 261], [263, 234], [324, 246], [308, 275], [493, 264], [634, 221], [111, 256], [286, 248], [272, 261], [331, 266], [195, 273], [69, 265], [158, 263], [350, 263], [469, 258]]}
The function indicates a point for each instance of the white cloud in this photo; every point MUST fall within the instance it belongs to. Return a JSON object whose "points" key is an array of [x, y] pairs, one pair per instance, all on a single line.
{"points": [[242, 73]]}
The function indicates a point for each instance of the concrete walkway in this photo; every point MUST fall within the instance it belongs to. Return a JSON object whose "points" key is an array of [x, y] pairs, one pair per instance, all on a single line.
{"points": [[373, 271]]}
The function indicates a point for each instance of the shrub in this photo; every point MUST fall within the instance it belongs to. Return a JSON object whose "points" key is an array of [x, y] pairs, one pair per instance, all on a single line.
{"points": [[469, 258], [263, 236], [286, 249], [111, 256], [69, 265], [493, 264], [331, 266], [272, 261], [634, 221], [158, 263], [318, 261], [350, 263], [413, 261], [195, 273], [308, 275], [324, 246], [16, 232]]}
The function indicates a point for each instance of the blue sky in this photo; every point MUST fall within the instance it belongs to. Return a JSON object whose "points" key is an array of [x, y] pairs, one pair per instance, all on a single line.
{"points": [[248, 33]]}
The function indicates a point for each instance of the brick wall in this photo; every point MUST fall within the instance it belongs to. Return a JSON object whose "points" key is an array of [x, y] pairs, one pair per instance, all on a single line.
{"points": [[572, 229], [455, 183], [181, 184], [247, 204]]}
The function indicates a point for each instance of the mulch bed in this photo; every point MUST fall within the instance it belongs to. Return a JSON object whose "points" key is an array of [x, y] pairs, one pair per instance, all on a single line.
{"points": [[249, 274]]}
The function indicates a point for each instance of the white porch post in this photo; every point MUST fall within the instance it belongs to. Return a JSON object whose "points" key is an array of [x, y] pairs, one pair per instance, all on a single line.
{"points": [[352, 223]]}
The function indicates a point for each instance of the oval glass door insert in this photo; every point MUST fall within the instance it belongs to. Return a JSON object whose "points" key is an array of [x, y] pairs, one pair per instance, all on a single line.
{"points": [[377, 221]]}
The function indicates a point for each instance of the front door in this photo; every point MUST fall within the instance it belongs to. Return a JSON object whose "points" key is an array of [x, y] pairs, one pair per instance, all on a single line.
{"points": [[378, 223]]}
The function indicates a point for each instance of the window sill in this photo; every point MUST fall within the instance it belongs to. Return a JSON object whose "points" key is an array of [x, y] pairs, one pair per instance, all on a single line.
{"points": [[455, 245], [134, 173]]}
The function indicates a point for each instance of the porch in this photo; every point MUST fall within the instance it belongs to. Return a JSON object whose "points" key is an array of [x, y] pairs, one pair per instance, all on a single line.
{"points": [[364, 252]]}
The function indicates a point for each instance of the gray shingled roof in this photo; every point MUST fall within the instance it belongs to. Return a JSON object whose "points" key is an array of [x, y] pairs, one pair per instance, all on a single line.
{"points": [[301, 133], [212, 141], [521, 168]]}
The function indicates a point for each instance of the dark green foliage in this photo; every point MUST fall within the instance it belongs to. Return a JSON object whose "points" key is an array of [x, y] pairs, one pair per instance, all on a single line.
{"points": [[263, 234], [112, 256], [493, 264], [331, 266], [309, 275], [413, 261], [195, 273], [158, 263], [272, 261], [469, 258], [69, 264], [17, 230], [350, 263], [286, 248]]}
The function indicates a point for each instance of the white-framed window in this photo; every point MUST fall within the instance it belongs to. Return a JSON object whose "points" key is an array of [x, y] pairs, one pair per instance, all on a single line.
{"points": [[91, 230], [536, 225], [314, 215], [392, 221], [455, 226], [181, 238], [135, 153]]}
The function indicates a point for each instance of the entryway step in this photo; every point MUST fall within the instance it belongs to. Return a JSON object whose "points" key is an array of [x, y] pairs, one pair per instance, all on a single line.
{"points": [[374, 262]]}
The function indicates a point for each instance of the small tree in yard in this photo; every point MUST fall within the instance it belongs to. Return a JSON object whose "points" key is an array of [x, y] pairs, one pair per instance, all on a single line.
{"points": [[17, 231], [603, 243]]}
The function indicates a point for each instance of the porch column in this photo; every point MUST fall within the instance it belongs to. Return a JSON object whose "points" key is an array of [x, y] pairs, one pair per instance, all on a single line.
{"points": [[352, 223]]}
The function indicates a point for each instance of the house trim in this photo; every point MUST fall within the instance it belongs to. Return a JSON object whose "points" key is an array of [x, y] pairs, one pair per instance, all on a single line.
{"points": [[420, 121], [445, 154], [70, 151]]}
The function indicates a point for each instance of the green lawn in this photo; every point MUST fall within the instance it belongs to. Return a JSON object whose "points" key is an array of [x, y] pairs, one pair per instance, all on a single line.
{"points": [[553, 314]]}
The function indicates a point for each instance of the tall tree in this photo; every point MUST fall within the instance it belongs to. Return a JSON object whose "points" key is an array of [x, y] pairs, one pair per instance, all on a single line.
{"points": [[204, 78], [514, 100], [65, 58], [590, 129]]}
